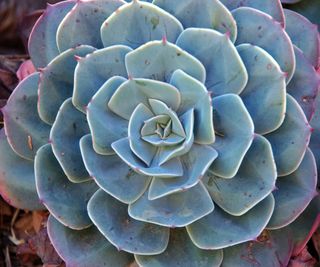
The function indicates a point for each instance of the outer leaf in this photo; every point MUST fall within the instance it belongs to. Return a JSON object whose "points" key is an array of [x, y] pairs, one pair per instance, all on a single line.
{"points": [[175, 210], [195, 95], [182, 252], [265, 93], [17, 185], [195, 163], [105, 126], [82, 24], [201, 14], [276, 246], [315, 137], [65, 200], [273, 7], [112, 174], [271, 249], [304, 226], [309, 9], [225, 74], [254, 181], [85, 247], [304, 84], [158, 60], [65, 135], [304, 35], [56, 82], [42, 44], [172, 168], [139, 91], [25, 130], [138, 23], [112, 219], [234, 134], [290, 141], [290, 1], [93, 70], [221, 230], [263, 33], [295, 192]]}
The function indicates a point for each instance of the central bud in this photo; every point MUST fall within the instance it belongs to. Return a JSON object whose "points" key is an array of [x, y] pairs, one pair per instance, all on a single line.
{"points": [[163, 130], [164, 127]]}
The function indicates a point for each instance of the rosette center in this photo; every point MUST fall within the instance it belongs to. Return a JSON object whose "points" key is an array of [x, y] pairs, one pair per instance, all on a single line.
{"points": [[164, 128]]}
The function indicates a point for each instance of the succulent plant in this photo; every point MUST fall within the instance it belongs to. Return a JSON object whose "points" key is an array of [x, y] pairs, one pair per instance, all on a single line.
{"points": [[308, 8], [174, 133]]}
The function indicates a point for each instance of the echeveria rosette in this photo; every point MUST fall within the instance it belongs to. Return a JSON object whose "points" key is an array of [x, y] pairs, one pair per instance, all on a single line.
{"points": [[308, 8], [172, 132]]}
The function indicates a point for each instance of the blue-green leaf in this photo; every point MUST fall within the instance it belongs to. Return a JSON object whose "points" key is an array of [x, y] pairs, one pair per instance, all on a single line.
{"points": [[255, 180], [82, 24], [290, 141], [182, 252], [87, 247], [195, 163], [17, 183], [220, 229], [105, 126], [143, 150], [304, 84], [42, 44], [159, 59], [195, 95], [112, 174], [273, 7], [265, 93], [174, 210], [295, 192], [234, 134], [264, 32], [68, 128], [272, 248], [201, 14], [112, 219], [56, 82], [139, 23], [315, 137], [171, 168], [25, 130], [304, 35], [225, 74], [140, 91], [94, 70], [65, 200]]}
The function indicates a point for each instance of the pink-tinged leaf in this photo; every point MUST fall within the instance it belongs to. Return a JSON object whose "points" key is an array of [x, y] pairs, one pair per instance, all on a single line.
{"points": [[17, 185], [304, 259], [42, 42], [304, 35], [304, 84], [25, 69], [316, 241], [301, 244]]}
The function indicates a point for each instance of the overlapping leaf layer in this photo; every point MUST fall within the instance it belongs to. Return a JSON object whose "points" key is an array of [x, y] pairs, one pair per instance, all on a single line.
{"points": [[173, 133]]}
